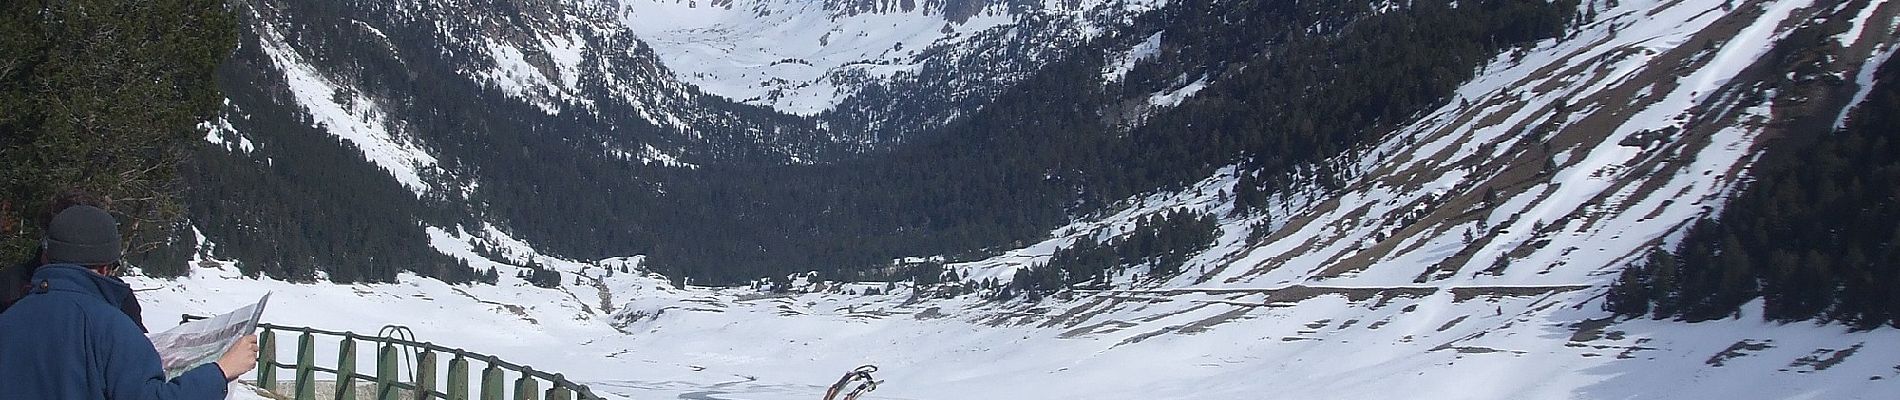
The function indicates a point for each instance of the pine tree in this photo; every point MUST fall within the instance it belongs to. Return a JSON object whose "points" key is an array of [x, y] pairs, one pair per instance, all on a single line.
{"points": [[1661, 284], [103, 96], [1629, 296]]}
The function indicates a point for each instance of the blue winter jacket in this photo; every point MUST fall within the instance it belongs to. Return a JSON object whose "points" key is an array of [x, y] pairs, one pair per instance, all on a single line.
{"points": [[68, 339]]}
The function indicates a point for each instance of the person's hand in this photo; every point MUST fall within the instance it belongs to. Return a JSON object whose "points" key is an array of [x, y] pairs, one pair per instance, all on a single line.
{"points": [[240, 358]]}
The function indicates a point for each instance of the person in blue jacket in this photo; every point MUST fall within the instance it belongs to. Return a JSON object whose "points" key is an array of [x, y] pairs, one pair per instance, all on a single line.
{"points": [[69, 337], [13, 280]]}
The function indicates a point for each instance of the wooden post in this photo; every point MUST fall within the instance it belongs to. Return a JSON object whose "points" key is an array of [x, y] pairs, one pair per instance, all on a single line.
{"points": [[492, 383], [267, 355], [458, 378], [306, 358], [526, 387], [346, 369], [386, 373], [558, 391], [425, 374]]}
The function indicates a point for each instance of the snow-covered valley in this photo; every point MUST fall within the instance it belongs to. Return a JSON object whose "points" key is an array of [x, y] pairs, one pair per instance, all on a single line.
{"points": [[1465, 256]]}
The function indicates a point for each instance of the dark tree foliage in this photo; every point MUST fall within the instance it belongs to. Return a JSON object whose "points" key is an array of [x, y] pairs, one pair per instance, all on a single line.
{"points": [[1034, 281], [287, 230], [541, 277], [1814, 236], [101, 96], [929, 273], [1630, 295]]}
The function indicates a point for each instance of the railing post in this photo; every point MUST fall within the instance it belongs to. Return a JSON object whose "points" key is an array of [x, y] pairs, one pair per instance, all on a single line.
{"points": [[386, 373], [458, 378], [526, 388], [266, 356], [346, 370], [306, 358], [425, 374], [559, 391], [492, 382]]}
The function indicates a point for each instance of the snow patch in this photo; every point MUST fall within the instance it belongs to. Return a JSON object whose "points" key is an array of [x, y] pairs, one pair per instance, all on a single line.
{"points": [[1147, 49], [512, 74], [649, 155], [1853, 33], [1863, 83], [217, 130], [1175, 97]]}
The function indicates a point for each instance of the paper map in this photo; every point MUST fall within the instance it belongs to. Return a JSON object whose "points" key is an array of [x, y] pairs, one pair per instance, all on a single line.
{"points": [[195, 343]]}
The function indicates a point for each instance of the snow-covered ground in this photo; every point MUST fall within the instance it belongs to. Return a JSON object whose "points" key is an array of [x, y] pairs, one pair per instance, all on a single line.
{"points": [[714, 343], [1406, 283]]}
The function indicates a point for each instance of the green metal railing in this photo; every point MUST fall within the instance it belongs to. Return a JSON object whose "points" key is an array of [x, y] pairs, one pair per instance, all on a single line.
{"points": [[390, 384]]}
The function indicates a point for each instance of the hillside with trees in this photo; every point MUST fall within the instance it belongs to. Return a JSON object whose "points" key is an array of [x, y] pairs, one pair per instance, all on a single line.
{"points": [[1815, 235]]}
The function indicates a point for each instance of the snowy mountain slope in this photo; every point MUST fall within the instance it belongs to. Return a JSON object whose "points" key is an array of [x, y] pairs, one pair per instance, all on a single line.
{"points": [[1649, 120], [778, 53], [1464, 256], [451, 100], [351, 117], [491, 107], [678, 76], [804, 57], [573, 63], [873, 74]]}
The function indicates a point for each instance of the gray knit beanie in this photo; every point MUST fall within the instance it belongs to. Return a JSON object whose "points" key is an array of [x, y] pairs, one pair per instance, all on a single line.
{"points": [[83, 235]]}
